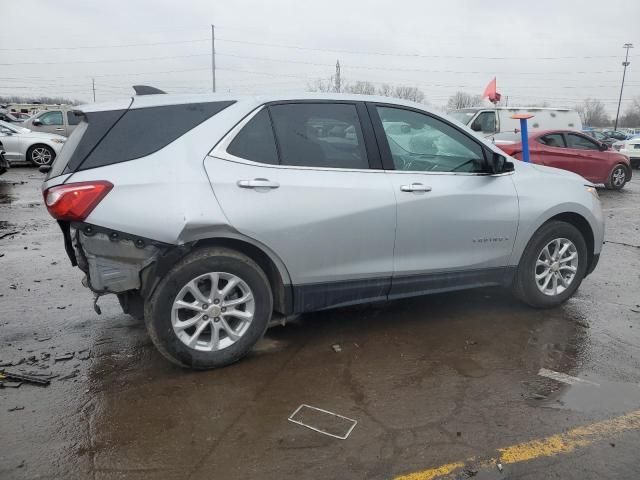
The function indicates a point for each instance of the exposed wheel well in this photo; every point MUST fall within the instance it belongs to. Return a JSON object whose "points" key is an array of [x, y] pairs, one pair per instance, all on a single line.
{"points": [[583, 226], [281, 294]]}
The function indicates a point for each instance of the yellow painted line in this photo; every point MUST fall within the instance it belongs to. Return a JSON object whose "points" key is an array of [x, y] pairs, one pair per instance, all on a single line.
{"points": [[553, 445]]}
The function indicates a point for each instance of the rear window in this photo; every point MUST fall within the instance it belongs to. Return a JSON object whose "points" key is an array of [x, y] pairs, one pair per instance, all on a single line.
{"points": [[143, 131], [114, 136]]}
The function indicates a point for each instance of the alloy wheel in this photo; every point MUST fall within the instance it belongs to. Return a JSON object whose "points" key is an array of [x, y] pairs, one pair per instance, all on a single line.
{"points": [[212, 311], [618, 177], [556, 266], [41, 156]]}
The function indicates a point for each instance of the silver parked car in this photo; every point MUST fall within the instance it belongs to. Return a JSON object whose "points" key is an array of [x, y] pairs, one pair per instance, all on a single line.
{"points": [[21, 144], [210, 215]]}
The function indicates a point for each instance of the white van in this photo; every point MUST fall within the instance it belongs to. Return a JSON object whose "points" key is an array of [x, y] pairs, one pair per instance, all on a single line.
{"points": [[487, 120]]}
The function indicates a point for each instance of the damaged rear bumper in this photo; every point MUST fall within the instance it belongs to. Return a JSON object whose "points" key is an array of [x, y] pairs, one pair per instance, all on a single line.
{"points": [[114, 262]]}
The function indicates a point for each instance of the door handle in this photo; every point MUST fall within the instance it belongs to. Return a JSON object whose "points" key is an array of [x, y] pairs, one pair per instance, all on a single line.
{"points": [[258, 183], [59, 129], [415, 187]]}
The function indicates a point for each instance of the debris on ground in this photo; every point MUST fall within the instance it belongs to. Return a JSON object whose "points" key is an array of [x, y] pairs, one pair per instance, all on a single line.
{"points": [[84, 354], [471, 342], [42, 339], [336, 347], [470, 471], [4, 384], [71, 375], [17, 407], [499, 467], [537, 396], [64, 356], [13, 286], [24, 378]]}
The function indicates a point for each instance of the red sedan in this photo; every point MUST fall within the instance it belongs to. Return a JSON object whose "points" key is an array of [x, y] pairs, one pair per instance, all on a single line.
{"points": [[573, 151]]}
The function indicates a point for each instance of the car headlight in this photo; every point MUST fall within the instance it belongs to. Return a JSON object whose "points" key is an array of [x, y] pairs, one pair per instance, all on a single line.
{"points": [[593, 191], [58, 140]]}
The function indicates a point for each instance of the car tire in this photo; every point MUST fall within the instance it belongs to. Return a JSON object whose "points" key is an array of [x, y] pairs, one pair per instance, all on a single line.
{"points": [[533, 283], [191, 281], [617, 177], [40, 155]]}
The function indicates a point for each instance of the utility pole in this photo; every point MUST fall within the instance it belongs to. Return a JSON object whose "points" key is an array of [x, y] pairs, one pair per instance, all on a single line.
{"points": [[337, 79], [625, 64], [93, 87], [213, 58]]}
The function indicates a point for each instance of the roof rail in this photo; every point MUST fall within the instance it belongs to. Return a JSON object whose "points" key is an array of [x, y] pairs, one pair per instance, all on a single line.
{"points": [[146, 90]]}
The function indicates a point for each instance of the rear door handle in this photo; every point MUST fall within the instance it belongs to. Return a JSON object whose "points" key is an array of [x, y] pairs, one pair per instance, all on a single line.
{"points": [[258, 183], [59, 129], [415, 187]]}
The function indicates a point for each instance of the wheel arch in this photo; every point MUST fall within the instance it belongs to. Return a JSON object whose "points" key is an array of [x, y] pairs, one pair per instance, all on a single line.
{"points": [[272, 266], [573, 218]]}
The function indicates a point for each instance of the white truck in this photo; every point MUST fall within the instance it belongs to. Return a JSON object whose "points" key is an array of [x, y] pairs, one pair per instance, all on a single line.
{"points": [[490, 120]]}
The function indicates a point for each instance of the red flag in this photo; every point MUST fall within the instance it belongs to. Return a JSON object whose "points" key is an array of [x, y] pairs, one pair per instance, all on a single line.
{"points": [[491, 92]]}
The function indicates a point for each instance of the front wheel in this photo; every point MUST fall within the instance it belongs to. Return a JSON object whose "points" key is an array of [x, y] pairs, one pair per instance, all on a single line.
{"points": [[41, 155], [617, 177], [210, 309], [552, 265]]}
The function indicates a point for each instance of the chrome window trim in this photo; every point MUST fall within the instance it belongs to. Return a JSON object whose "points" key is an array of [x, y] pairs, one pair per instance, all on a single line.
{"points": [[220, 151]]}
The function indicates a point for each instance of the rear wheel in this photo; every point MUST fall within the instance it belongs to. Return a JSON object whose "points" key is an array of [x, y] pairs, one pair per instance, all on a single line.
{"points": [[210, 309], [41, 155], [552, 265], [617, 177]]}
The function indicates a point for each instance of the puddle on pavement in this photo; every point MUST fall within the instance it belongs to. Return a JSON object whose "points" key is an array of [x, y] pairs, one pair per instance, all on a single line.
{"points": [[607, 397]]}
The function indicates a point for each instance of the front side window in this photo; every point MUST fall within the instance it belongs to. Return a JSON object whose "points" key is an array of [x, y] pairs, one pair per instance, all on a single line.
{"points": [[553, 140], [485, 123], [419, 142], [255, 141], [326, 135], [580, 142], [51, 118]]}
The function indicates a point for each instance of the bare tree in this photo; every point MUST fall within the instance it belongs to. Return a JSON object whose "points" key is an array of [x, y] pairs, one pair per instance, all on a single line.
{"points": [[321, 85], [385, 90], [408, 93], [45, 100], [463, 100], [360, 87], [592, 113], [631, 117]]}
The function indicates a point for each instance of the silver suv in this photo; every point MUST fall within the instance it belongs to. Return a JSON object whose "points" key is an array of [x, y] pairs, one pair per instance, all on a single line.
{"points": [[210, 215]]}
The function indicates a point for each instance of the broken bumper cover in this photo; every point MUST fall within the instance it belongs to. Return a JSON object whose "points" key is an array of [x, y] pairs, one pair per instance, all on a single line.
{"points": [[114, 262]]}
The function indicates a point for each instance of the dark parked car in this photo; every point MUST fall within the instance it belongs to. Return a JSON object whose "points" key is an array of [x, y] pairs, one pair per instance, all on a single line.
{"points": [[4, 163], [600, 137], [573, 151], [616, 134]]}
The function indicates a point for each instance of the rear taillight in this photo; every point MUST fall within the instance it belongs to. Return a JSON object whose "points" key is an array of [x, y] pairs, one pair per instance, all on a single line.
{"points": [[75, 201]]}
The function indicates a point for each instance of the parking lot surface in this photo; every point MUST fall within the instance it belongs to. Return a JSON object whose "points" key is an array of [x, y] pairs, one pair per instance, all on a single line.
{"points": [[460, 384]]}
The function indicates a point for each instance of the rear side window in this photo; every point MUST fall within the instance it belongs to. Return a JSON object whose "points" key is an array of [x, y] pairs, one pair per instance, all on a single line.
{"points": [[143, 131], [256, 141], [326, 135], [72, 118], [553, 140]]}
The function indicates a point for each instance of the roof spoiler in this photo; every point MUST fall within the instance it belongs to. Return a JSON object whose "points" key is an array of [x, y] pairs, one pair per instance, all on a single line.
{"points": [[147, 90]]}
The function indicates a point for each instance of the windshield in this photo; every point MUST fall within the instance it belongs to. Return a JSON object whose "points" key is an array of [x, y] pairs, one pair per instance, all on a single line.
{"points": [[463, 116], [13, 128]]}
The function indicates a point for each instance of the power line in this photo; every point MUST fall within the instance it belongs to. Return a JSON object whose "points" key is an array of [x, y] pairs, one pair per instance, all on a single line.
{"points": [[412, 55], [108, 61], [88, 47]]}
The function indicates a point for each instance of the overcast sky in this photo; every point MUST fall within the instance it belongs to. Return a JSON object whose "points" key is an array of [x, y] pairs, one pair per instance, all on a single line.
{"points": [[558, 51]]}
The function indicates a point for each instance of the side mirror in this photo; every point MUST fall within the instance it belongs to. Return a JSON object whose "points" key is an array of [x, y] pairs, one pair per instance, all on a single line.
{"points": [[603, 147], [499, 164], [36, 123], [476, 127]]}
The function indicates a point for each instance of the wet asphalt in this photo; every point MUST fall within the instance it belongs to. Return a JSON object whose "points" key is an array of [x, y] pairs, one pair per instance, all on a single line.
{"points": [[429, 380]]}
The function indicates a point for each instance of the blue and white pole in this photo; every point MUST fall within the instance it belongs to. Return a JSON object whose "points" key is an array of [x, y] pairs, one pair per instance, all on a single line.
{"points": [[524, 133]]}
